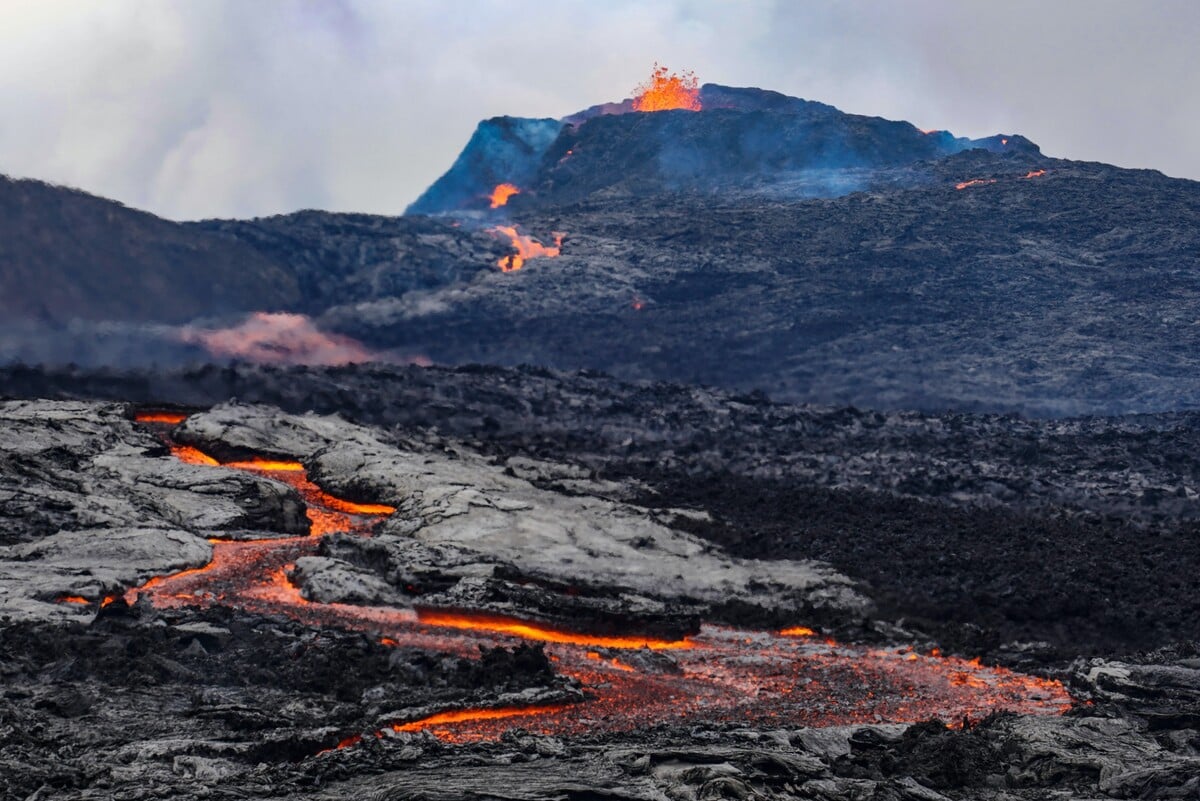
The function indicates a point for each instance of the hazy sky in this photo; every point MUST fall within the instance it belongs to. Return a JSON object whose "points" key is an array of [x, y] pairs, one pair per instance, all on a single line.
{"points": [[251, 107]]}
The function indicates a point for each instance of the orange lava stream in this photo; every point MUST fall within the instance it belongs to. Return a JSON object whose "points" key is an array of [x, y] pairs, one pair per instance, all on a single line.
{"points": [[438, 723], [790, 677], [666, 90], [527, 248], [531, 631], [1036, 173], [502, 193], [975, 182]]}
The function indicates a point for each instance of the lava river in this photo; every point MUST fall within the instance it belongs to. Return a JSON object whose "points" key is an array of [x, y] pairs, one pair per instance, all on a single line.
{"points": [[786, 678]]}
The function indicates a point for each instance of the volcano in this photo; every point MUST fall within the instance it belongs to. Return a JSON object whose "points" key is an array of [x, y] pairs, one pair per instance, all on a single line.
{"points": [[761, 242], [663, 450]]}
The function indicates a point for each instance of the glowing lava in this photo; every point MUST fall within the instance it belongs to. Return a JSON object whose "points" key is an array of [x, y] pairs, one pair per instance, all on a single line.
{"points": [[502, 193], [666, 90], [530, 631], [797, 631], [439, 724], [527, 248], [975, 182], [1035, 173], [785, 678], [160, 418]]}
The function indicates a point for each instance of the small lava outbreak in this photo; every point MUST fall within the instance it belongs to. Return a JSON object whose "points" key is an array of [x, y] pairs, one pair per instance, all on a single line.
{"points": [[666, 90], [502, 193], [789, 677], [527, 248]]}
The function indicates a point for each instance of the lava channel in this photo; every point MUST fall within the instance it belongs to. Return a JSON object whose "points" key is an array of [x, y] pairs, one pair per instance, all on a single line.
{"points": [[722, 674]]}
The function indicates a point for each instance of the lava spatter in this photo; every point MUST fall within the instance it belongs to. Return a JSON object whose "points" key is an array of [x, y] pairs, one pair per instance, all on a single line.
{"points": [[790, 677], [666, 90]]}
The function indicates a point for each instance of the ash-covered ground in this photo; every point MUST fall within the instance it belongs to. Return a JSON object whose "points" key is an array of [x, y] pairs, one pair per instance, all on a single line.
{"points": [[368, 574]]}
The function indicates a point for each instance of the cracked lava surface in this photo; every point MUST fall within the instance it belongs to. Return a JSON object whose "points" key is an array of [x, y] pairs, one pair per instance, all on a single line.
{"points": [[787, 678]]}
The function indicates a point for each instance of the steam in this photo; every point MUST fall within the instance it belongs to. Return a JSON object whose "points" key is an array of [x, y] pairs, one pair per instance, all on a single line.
{"points": [[266, 338], [261, 338]]}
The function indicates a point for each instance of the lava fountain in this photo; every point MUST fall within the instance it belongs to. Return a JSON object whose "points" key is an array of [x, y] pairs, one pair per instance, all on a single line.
{"points": [[666, 90], [780, 678]]}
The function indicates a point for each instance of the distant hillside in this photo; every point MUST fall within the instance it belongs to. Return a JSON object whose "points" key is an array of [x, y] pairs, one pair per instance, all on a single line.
{"points": [[65, 254]]}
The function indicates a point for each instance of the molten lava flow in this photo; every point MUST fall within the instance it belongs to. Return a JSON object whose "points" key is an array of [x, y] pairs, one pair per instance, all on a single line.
{"points": [[502, 193], [267, 465], [189, 455], [164, 418], [531, 631], [786, 678], [527, 248], [665, 90], [975, 182], [797, 631], [438, 724], [1035, 173], [73, 599]]}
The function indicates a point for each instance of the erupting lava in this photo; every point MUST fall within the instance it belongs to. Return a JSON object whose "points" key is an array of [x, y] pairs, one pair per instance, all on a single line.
{"points": [[788, 677], [666, 90], [1036, 173], [502, 193], [527, 248]]}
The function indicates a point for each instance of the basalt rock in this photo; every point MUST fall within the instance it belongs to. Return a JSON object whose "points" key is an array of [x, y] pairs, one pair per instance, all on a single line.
{"points": [[478, 521], [1021, 539]]}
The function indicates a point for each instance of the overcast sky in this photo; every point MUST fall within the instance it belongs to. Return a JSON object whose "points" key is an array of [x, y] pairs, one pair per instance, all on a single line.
{"points": [[252, 107]]}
